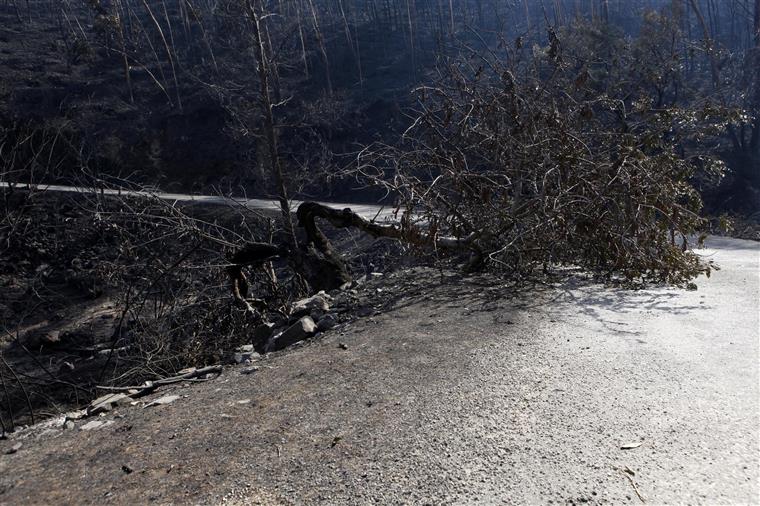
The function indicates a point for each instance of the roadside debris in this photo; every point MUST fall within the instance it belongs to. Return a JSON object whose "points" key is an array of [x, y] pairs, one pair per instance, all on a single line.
{"points": [[633, 484], [245, 354], [318, 302], [14, 448], [166, 399], [107, 403], [327, 322], [204, 373], [96, 424], [302, 329], [263, 332]]}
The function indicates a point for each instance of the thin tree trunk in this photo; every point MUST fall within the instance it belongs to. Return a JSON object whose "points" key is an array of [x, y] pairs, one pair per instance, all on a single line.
{"points": [[322, 50], [168, 52], [358, 50], [755, 142], [411, 38], [605, 11], [303, 43], [708, 44], [269, 127], [127, 76], [350, 41]]}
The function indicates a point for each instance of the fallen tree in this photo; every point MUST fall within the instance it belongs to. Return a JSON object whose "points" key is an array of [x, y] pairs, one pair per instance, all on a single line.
{"points": [[318, 261], [531, 158]]}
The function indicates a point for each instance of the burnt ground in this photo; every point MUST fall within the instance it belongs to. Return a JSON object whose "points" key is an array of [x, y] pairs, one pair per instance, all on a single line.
{"points": [[82, 274], [462, 391]]}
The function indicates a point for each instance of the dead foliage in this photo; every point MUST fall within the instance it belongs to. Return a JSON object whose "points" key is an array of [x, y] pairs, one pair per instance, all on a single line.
{"points": [[540, 156]]}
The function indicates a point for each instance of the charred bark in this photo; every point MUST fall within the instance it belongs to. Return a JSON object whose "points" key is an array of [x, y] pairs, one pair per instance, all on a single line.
{"points": [[331, 271], [316, 260], [252, 254], [308, 211]]}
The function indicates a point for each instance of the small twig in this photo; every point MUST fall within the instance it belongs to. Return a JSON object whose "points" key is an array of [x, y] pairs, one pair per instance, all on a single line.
{"points": [[633, 484]]}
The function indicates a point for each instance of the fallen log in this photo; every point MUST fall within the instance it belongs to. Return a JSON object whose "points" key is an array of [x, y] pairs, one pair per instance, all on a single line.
{"points": [[404, 231], [318, 262]]}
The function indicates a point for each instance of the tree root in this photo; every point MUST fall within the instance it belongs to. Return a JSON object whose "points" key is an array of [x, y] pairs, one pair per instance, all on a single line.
{"points": [[317, 261]]}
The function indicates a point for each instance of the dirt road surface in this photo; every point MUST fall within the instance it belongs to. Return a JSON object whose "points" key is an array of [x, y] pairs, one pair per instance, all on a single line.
{"points": [[369, 211], [460, 394]]}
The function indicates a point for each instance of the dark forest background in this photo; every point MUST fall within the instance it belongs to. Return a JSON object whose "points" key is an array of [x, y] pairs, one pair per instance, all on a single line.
{"points": [[169, 92]]}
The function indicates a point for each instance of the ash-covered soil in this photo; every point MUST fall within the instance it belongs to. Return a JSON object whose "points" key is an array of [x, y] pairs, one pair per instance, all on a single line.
{"points": [[113, 291]]}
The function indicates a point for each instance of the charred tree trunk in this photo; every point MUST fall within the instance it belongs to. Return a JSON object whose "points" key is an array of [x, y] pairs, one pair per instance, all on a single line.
{"points": [[263, 64], [254, 255], [709, 49], [317, 261]]}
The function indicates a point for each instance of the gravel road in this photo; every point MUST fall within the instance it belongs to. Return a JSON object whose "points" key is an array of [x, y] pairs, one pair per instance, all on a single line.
{"points": [[461, 394]]}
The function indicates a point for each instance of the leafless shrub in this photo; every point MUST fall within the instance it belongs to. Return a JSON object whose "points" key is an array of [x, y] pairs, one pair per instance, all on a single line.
{"points": [[169, 279], [160, 267], [536, 157]]}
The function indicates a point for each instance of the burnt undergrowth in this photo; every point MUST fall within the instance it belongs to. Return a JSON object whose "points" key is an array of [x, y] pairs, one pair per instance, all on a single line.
{"points": [[110, 291]]}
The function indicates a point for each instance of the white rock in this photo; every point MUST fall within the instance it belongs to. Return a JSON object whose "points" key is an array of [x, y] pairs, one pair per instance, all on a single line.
{"points": [[95, 424], [320, 301], [300, 330], [166, 399]]}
